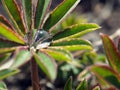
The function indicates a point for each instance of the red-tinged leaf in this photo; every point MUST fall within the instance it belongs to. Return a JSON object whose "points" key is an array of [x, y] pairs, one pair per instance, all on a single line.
{"points": [[21, 57], [112, 52], [10, 34], [104, 72], [27, 8], [15, 15], [7, 44], [60, 12], [41, 11], [5, 21], [76, 31], [47, 64]]}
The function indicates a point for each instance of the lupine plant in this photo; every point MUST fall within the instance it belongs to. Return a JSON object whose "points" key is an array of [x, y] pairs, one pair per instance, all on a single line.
{"points": [[27, 34]]}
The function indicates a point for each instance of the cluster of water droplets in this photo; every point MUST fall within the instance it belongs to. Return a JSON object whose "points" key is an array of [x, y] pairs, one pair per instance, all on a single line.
{"points": [[41, 39]]}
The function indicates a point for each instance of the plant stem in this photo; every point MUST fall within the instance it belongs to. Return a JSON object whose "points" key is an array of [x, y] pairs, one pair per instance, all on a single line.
{"points": [[34, 75]]}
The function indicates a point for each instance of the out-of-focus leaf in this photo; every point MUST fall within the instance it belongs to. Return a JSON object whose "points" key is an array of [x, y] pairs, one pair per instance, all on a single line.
{"points": [[3, 57], [104, 72], [20, 58], [68, 85], [60, 12], [112, 52], [82, 86], [6, 50], [96, 88], [59, 54], [7, 72], [76, 31], [5, 21], [47, 64], [6, 43], [74, 47], [27, 7], [68, 42], [3, 86], [10, 34], [41, 9], [15, 15]]}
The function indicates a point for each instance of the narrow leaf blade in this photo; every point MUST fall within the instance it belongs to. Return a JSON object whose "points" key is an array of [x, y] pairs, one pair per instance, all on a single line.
{"points": [[112, 52], [10, 34], [7, 72], [3, 86], [60, 12], [104, 72], [47, 64], [82, 86], [15, 15], [41, 10], [68, 85], [76, 31]]}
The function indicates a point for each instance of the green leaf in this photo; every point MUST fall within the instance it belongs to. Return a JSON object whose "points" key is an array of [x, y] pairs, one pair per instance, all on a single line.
{"points": [[82, 86], [7, 44], [96, 88], [6, 50], [76, 31], [47, 64], [60, 12], [15, 15], [10, 34], [68, 42], [5, 21], [3, 86], [7, 72], [3, 57], [112, 52], [27, 7], [68, 85], [104, 72], [21, 57], [41, 10], [59, 54], [74, 47]]}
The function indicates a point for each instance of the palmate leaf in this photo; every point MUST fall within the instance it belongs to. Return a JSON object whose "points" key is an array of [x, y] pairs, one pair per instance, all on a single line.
{"points": [[59, 54], [41, 10], [112, 52], [60, 12], [104, 72], [27, 8], [47, 64], [14, 13], [20, 57], [10, 34], [7, 72], [76, 31], [68, 85]]}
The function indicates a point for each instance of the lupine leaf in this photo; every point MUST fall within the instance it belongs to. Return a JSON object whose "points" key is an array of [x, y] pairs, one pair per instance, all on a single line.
{"points": [[106, 73], [74, 47], [27, 7], [59, 54], [10, 34], [76, 31], [47, 64], [60, 12], [41, 9], [82, 86], [5, 21], [73, 41], [112, 52], [7, 72], [68, 85], [15, 15], [20, 58], [3, 86]]}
